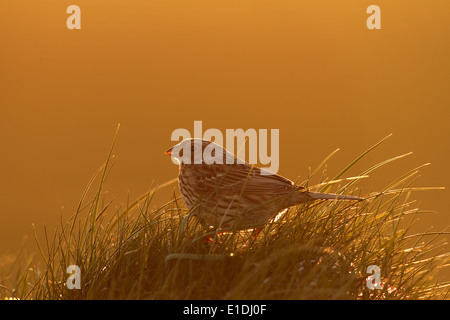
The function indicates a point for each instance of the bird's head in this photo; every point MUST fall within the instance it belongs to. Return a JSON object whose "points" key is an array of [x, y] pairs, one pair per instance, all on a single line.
{"points": [[198, 151]]}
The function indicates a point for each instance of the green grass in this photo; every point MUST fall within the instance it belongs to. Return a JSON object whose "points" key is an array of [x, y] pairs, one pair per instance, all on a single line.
{"points": [[320, 250]]}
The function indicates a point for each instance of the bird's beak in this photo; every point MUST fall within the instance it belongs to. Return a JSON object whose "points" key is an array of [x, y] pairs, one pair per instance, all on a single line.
{"points": [[169, 152]]}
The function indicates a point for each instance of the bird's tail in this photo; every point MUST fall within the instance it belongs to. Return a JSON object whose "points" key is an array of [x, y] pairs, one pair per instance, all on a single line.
{"points": [[331, 196]]}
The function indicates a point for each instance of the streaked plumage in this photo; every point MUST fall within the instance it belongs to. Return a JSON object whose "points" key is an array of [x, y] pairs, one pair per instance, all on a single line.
{"points": [[235, 194]]}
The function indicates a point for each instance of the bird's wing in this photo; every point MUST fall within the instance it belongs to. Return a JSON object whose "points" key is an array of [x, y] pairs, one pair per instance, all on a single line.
{"points": [[237, 178]]}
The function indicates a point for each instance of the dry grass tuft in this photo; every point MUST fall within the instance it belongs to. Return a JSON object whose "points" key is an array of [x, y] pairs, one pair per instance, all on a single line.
{"points": [[319, 250]]}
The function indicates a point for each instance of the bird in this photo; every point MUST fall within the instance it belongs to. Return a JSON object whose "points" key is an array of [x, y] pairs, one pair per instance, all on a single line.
{"points": [[227, 193]]}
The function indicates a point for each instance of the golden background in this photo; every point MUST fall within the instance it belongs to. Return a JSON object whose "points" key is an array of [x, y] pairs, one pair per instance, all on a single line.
{"points": [[309, 68]]}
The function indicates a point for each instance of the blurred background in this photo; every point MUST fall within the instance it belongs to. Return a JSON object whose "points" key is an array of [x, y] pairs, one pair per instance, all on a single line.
{"points": [[311, 69]]}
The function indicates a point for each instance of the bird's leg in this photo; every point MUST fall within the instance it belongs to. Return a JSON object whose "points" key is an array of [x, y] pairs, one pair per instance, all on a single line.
{"points": [[256, 231], [210, 239]]}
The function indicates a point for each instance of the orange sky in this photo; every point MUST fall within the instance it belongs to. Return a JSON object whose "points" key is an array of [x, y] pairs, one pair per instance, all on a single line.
{"points": [[311, 69]]}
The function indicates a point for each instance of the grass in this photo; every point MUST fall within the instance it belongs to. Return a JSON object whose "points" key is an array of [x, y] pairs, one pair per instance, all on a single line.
{"points": [[319, 250]]}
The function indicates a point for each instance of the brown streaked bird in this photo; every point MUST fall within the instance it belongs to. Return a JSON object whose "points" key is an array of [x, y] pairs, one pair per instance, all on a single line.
{"points": [[228, 192]]}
